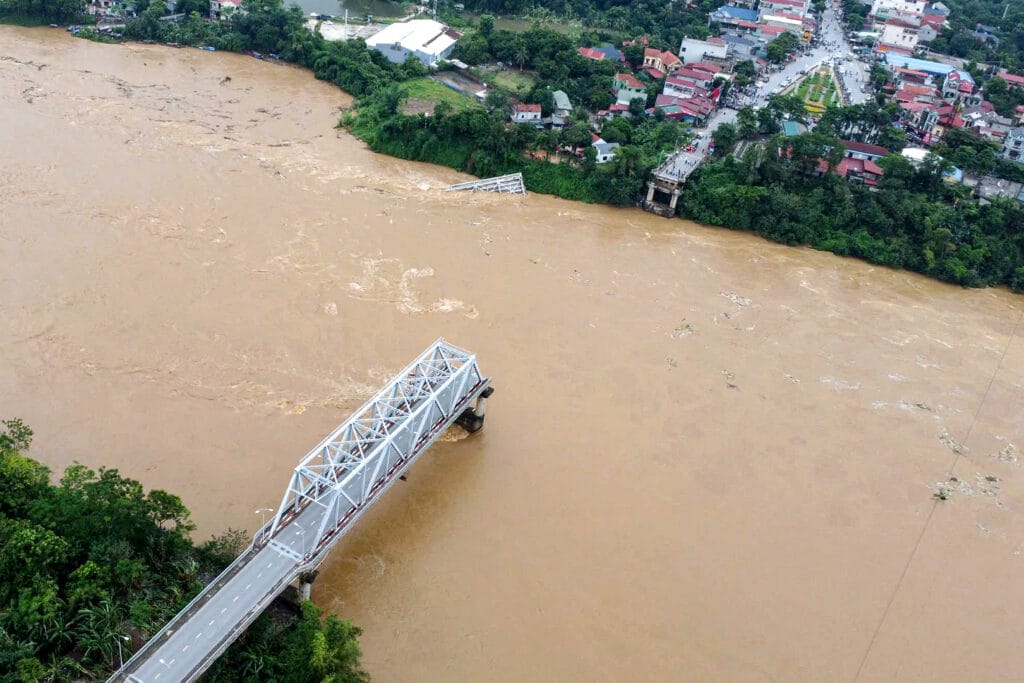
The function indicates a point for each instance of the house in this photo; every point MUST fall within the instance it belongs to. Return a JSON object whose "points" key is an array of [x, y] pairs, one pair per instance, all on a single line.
{"points": [[857, 171], [676, 86], [863, 151], [901, 33], [986, 34], [890, 8], [1012, 80], [1013, 145], [959, 86], [1018, 117], [938, 9], [729, 16], [561, 110], [769, 7], [605, 150], [590, 53], [794, 26], [425, 39], [220, 9], [611, 52], [660, 61], [693, 50], [526, 113], [627, 88], [694, 109]]}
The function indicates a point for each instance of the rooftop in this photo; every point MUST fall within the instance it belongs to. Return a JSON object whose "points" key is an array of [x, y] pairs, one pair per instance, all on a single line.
{"points": [[421, 35]]}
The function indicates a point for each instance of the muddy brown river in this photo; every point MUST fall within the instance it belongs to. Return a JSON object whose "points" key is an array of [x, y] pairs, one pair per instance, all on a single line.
{"points": [[709, 457]]}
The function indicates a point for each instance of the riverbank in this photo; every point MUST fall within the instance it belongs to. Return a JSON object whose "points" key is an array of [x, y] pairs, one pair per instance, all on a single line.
{"points": [[914, 221], [751, 378]]}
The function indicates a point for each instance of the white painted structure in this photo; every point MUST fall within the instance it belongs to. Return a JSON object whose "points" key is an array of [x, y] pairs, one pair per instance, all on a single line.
{"points": [[692, 50], [898, 7], [425, 39]]}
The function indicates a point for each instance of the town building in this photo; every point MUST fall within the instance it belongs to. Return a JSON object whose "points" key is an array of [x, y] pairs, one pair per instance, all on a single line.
{"points": [[627, 88], [425, 39], [892, 7], [693, 50], [605, 150], [901, 33], [863, 150], [526, 113], [658, 63], [220, 9], [561, 110], [1013, 145]]}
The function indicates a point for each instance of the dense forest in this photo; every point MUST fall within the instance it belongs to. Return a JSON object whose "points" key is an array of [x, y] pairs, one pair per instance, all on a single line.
{"points": [[93, 565], [665, 22]]}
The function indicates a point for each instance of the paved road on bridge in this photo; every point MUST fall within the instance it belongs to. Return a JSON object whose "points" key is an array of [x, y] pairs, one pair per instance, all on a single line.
{"points": [[260, 580]]}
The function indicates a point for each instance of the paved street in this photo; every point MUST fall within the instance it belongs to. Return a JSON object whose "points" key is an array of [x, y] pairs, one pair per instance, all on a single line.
{"points": [[832, 44]]}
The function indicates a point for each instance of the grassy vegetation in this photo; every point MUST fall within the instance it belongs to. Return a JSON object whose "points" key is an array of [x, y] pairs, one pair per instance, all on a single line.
{"points": [[427, 89], [516, 81]]}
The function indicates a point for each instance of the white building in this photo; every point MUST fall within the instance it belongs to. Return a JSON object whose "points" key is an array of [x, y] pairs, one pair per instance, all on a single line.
{"points": [[526, 113], [425, 39], [892, 7], [693, 50], [901, 33]]}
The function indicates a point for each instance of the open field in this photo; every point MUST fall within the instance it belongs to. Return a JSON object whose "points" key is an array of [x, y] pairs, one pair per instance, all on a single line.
{"points": [[423, 94]]}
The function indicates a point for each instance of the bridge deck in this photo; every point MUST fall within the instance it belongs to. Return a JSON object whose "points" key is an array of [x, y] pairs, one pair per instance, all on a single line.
{"points": [[357, 463]]}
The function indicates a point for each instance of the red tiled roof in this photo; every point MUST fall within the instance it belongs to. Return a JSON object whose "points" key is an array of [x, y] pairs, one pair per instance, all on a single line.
{"points": [[1012, 79], [651, 52], [872, 167], [591, 53], [966, 87], [618, 106], [531, 108], [704, 66], [916, 106], [655, 73], [686, 72], [919, 89], [743, 23], [717, 40], [1019, 109], [629, 81], [864, 148], [765, 28], [911, 72]]}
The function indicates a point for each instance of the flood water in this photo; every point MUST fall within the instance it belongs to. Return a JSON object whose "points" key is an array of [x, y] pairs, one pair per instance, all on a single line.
{"points": [[708, 457]]}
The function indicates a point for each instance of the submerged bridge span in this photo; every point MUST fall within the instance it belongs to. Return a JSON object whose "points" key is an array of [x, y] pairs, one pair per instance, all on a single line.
{"points": [[328, 491]]}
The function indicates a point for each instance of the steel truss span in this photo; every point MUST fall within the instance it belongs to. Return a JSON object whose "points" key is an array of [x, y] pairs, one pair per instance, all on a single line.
{"points": [[328, 491], [347, 469]]}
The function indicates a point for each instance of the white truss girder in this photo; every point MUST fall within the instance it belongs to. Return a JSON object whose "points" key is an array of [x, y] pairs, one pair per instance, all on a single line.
{"points": [[349, 468]]}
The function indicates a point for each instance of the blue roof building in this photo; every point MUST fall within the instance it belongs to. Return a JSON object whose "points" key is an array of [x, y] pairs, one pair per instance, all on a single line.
{"points": [[730, 14], [929, 67]]}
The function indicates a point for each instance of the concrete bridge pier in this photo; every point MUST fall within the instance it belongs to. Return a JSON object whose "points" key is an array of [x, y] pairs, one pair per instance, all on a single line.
{"points": [[672, 188], [306, 580], [472, 419]]}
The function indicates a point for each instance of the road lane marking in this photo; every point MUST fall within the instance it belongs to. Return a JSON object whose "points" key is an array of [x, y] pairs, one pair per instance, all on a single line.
{"points": [[211, 622], [246, 588], [224, 610], [184, 649], [198, 634], [236, 599]]}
